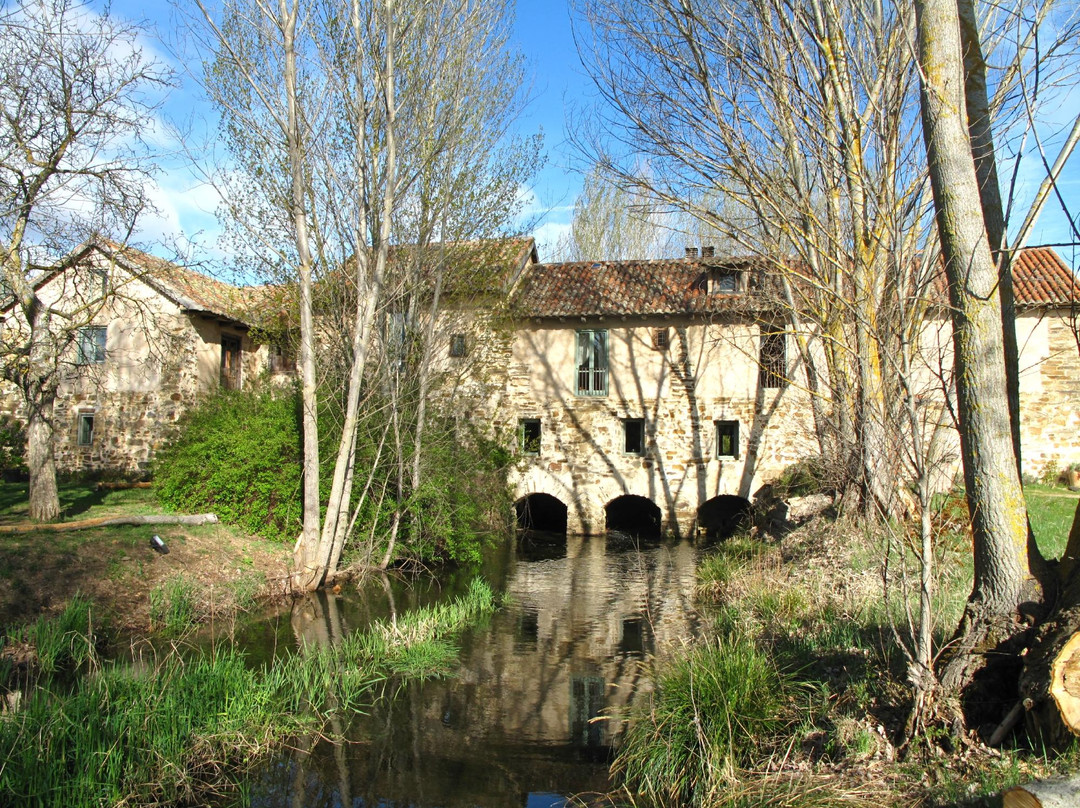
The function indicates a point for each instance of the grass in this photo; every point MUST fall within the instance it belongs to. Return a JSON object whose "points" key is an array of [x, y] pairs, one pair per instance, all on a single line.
{"points": [[1051, 511], [715, 708], [813, 605], [41, 571], [174, 606], [124, 734], [79, 500]]}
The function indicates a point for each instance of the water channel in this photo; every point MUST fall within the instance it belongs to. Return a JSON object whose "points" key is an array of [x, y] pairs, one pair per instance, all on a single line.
{"points": [[532, 713]]}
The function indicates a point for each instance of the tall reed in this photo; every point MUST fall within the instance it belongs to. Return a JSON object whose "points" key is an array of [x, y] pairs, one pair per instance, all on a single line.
{"points": [[711, 711], [164, 733]]}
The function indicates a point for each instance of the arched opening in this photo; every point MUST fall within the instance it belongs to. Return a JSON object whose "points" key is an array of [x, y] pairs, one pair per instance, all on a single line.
{"points": [[723, 515], [632, 517], [541, 512]]}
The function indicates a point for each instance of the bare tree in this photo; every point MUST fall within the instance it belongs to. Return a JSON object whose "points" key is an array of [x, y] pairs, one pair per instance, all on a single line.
{"points": [[800, 118], [75, 88], [380, 123], [613, 223]]}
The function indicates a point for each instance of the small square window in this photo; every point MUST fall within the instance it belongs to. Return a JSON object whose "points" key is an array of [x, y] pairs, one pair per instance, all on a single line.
{"points": [[85, 436], [660, 339], [457, 345], [91, 345], [282, 358], [723, 283], [529, 436], [634, 436], [727, 439]]}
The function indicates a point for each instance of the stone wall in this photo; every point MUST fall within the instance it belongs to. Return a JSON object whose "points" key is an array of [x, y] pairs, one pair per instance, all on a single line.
{"points": [[708, 373], [1049, 392], [135, 414]]}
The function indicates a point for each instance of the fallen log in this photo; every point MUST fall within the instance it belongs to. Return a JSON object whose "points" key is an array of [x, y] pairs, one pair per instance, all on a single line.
{"points": [[1055, 793], [122, 486], [150, 519]]}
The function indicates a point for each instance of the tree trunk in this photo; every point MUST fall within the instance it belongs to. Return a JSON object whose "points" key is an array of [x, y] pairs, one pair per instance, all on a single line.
{"points": [[41, 461], [307, 575], [995, 500], [977, 105]]}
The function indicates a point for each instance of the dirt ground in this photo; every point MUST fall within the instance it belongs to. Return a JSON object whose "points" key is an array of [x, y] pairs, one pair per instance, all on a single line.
{"points": [[118, 569]]}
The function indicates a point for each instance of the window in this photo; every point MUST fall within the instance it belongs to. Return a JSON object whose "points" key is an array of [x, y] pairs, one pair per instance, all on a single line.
{"points": [[592, 363], [660, 339], [723, 283], [457, 345], [85, 429], [634, 436], [727, 439], [100, 282], [773, 360], [529, 436], [230, 362], [282, 359], [92, 345]]}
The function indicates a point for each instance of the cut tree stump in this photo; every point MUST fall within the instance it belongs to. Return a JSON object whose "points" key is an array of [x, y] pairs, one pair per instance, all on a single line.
{"points": [[1050, 681], [1057, 793], [152, 519], [1065, 683]]}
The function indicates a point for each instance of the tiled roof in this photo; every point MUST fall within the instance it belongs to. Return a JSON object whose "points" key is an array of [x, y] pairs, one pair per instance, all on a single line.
{"points": [[191, 290], [1041, 278], [680, 286], [484, 266], [634, 288]]}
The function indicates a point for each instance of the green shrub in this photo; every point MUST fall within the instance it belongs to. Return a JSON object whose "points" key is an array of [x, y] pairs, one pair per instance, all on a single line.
{"points": [[239, 456], [711, 711], [12, 448], [461, 497], [804, 477]]}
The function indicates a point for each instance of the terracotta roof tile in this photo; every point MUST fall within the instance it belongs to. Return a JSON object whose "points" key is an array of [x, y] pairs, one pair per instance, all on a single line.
{"points": [[1041, 278], [629, 288], [680, 286]]}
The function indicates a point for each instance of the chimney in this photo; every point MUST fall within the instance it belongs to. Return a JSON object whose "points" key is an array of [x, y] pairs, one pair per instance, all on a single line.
{"points": [[708, 252], [691, 252]]}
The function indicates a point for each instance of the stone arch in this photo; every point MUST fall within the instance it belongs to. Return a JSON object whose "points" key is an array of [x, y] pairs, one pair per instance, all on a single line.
{"points": [[635, 516], [722, 515], [539, 511]]}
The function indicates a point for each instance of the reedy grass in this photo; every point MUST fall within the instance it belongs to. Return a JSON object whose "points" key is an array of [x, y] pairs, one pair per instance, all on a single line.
{"points": [[174, 606], [61, 643], [711, 711], [165, 733]]}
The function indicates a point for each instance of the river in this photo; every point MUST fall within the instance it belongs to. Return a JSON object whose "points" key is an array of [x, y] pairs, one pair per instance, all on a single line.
{"points": [[531, 715]]}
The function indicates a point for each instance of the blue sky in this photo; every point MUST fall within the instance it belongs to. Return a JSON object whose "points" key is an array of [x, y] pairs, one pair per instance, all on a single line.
{"points": [[544, 35]]}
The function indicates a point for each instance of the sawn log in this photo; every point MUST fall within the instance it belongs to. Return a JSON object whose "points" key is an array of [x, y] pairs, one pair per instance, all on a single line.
{"points": [[1056, 793]]}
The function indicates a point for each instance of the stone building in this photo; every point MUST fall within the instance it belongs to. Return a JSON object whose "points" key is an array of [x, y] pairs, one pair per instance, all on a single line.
{"points": [[646, 395], [664, 394], [143, 340]]}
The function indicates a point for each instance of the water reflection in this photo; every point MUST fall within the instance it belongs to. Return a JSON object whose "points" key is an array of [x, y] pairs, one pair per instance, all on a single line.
{"points": [[535, 708]]}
